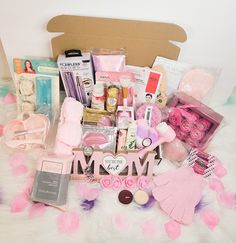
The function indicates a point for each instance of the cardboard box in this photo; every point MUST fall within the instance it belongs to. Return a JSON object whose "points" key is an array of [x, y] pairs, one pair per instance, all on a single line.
{"points": [[143, 40]]}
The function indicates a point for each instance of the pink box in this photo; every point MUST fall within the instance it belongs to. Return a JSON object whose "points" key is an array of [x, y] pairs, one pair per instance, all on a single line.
{"points": [[193, 122]]}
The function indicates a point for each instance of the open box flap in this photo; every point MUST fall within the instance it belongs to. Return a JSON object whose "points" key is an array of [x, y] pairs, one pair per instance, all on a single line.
{"points": [[142, 40]]}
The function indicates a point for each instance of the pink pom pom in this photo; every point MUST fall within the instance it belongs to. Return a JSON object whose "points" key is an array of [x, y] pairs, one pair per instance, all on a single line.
{"points": [[210, 219], [172, 229], [227, 199], [36, 210], [149, 228], [68, 222], [216, 185], [18, 204], [9, 99], [120, 222], [1, 130]]}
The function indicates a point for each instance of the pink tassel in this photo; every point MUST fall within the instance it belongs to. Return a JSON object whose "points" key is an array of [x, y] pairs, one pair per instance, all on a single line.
{"points": [[19, 204], [227, 199], [172, 229], [36, 210], [68, 222], [210, 219], [120, 222], [149, 228]]}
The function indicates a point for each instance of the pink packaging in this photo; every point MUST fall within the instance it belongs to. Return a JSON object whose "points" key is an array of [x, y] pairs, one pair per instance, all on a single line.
{"points": [[193, 122], [109, 78], [108, 63]]}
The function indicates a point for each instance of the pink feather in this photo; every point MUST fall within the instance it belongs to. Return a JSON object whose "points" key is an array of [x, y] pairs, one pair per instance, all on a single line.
{"points": [[19, 203], [68, 222], [210, 218], [120, 222], [150, 228], [36, 210], [172, 229]]}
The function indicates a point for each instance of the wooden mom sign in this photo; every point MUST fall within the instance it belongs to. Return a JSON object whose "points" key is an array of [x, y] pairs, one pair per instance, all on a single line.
{"points": [[104, 163]]}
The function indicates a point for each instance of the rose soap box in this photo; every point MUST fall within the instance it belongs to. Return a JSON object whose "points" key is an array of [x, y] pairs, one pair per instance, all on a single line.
{"points": [[194, 122]]}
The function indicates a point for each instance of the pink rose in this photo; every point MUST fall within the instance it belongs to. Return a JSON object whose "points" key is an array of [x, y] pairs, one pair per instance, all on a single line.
{"points": [[129, 182], [106, 182], [117, 183], [143, 182]]}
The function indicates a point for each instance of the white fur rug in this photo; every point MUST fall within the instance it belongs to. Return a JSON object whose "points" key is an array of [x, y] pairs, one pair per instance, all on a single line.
{"points": [[97, 225]]}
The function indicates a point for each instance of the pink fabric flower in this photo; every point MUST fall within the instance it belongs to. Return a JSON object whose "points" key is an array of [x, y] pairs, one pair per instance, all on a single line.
{"points": [[143, 182], [129, 182], [106, 182], [117, 183]]}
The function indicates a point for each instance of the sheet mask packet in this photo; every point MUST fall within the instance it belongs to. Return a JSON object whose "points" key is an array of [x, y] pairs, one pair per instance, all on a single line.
{"points": [[147, 84], [77, 76], [37, 85], [107, 60], [99, 137], [114, 78], [52, 180], [174, 71]]}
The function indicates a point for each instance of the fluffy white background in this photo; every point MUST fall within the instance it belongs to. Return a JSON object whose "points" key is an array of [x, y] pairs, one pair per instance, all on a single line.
{"points": [[96, 226]]}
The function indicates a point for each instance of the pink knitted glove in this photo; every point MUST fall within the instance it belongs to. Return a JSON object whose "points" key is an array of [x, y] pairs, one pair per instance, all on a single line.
{"points": [[178, 192]]}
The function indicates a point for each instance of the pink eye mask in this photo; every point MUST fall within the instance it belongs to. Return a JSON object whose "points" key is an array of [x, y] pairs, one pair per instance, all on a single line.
{"points": [[29, 131]]}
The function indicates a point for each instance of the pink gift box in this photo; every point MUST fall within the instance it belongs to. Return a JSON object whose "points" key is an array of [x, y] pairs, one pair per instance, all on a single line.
{"points": [[203, 119]]}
